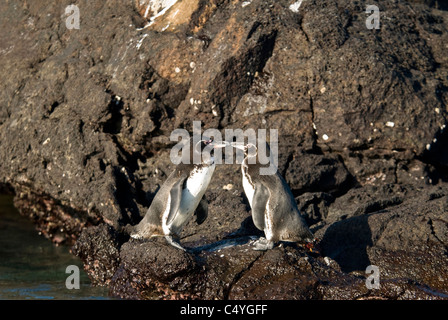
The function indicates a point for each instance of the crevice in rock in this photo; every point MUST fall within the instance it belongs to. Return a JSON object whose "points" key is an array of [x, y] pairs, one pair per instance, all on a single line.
{"points": [[129, 191], [6, 188], [253, 29], [436, 155], [433, 232], [396, 171], [238, 75], [303, 30], [166, 97], [239, 275], [287, 164], [312, 122], [351, 182], [113, 124]]}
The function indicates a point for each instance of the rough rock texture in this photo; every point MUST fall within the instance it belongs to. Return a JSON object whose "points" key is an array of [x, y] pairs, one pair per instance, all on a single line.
{"points": [[86, 116]]}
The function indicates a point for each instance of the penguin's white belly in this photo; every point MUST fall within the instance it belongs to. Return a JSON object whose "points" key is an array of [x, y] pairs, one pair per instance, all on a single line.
{"points": [[198, 181], [195, 187], [268, 232], [249, 190], [166, 229]]}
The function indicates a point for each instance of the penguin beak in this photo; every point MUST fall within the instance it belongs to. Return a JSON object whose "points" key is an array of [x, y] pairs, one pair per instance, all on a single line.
{"points": [[238, 145], [219, 144]]}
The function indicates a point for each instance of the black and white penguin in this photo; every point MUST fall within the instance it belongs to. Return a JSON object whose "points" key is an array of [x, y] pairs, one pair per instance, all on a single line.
{"points": [[274, 209], [180, 197]]}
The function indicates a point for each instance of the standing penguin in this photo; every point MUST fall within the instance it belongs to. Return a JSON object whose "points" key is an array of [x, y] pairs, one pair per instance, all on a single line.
{"points": [[180, 196], [274, 209]]}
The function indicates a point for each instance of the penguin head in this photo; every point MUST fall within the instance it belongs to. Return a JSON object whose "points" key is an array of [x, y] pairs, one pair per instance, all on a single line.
{"points": [[250, 150], [260, 157], [251, 153], [206, 148]]}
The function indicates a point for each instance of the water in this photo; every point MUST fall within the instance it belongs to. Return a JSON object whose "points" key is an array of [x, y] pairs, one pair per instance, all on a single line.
{"points": [[31, 267]]}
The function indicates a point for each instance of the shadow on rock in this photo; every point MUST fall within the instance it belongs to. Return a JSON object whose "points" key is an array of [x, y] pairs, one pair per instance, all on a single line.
{"points": [[346, 242]]}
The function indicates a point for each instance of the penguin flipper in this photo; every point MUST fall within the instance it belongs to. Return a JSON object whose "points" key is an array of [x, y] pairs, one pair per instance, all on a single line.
{"points": [[259, 201], [176, 197], [201, 211]]}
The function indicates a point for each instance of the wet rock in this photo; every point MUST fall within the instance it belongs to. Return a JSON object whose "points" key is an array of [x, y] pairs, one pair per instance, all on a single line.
{"points": [[54, 219], [154, 269], [423, 270], [276, 275], [99, 249]]}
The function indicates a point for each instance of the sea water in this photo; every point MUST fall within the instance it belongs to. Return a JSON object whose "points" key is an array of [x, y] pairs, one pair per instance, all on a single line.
{"points": [[31, 267]]}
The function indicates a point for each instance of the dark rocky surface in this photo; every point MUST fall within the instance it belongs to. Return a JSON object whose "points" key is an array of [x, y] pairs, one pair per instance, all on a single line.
{"points": [[86, 115]]}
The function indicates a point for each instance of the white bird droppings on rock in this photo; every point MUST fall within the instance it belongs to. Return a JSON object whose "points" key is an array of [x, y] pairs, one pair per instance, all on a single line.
{"points": [[139, 42], [295, 6], [166, 27], [228, 187], [390, 124]]}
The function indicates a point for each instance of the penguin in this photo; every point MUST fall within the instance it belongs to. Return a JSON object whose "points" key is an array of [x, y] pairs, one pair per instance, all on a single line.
{"points": [[274, 209], [180, 197]]}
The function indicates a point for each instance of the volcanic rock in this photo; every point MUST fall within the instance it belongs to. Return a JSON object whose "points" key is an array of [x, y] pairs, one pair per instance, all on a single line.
{"points": [[86, 116]]}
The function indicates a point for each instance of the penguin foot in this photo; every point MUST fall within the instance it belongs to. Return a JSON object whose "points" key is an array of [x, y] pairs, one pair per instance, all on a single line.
{"points": [[174, 243], [263, 244]]}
